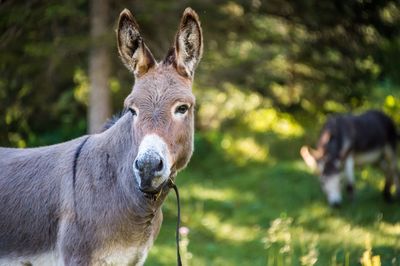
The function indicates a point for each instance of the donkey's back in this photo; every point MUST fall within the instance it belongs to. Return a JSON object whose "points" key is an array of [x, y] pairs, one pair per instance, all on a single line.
{"points": [[30, 195]]}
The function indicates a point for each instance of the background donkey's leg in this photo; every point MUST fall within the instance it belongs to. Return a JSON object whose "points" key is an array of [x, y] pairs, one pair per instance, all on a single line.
{"points": [[391, 172], [395, 173], [349, 170], [384, 165]]}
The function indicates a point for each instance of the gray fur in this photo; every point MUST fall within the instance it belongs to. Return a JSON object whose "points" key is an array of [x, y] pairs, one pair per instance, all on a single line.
{"points": [[80, 199], [37, 211]]}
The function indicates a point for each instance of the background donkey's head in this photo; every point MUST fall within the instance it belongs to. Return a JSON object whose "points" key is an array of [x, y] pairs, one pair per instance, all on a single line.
{"points": [[161, 100]]}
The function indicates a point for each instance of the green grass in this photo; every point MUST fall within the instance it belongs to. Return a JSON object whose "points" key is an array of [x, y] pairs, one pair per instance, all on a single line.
{"points": [[229, 206]]}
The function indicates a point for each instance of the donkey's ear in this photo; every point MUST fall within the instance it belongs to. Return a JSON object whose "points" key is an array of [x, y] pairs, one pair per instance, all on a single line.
{"points": [[133, 51], [308, 156], [188, 43]]}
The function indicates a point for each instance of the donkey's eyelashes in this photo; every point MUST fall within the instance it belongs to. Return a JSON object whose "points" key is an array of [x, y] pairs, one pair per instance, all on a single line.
{"points": [[182, 109]]}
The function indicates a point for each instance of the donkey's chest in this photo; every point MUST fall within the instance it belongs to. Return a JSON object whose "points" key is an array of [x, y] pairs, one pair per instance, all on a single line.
{"points": [[134, 255], [128, 250]]}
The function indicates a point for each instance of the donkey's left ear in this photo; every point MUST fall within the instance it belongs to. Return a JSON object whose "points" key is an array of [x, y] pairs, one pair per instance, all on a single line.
{"points": [[188, 43], [133, 51]]}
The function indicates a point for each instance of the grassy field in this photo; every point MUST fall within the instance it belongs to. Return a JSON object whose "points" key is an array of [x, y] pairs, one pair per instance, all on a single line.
{"points": [[272, 212]]}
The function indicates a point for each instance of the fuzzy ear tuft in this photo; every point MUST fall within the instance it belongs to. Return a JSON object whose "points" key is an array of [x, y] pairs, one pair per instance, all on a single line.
{"points": [[133, 51], [188, 44]]}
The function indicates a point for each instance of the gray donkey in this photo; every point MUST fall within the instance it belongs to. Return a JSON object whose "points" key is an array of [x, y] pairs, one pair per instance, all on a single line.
{"points": [[96, 200]]}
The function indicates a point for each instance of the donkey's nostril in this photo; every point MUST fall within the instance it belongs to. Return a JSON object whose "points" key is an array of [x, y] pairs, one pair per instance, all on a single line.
{"points": [[160, 165], [137, 166], [149, 164]]}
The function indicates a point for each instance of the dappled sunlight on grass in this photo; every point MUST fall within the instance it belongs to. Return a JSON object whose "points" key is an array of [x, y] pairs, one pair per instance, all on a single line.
{"points": [[161, 254], [335, 230], [226, 231], [390, 229], [314, 211], [200, 192]]}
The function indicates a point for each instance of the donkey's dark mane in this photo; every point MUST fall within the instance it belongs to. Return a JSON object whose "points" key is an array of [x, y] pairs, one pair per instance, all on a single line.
{"points": [[110, 122]]}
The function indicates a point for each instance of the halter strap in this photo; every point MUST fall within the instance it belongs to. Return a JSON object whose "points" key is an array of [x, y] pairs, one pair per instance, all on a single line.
{"points": [[171, 184]]}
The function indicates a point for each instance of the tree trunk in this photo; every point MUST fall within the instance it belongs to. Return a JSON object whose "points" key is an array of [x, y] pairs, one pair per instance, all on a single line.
{"points": [[99, 66]]}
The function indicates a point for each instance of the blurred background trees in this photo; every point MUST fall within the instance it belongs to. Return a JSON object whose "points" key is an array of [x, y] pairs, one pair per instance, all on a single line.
{"points": [[304, 58], [99, 65]]}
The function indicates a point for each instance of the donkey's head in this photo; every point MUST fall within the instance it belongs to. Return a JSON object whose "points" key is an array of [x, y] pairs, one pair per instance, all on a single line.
{"points": [[326, 162], [161, 101]]}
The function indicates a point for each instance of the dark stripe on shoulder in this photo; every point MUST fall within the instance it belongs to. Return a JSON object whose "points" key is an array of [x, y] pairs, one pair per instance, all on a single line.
{"points": [[76, 157]]}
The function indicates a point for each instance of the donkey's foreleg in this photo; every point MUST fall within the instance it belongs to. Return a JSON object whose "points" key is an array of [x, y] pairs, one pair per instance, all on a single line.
{"points": [[395, 174], [349, 170], [74, 247], [384, 165], [391, 173], [397, 185]]}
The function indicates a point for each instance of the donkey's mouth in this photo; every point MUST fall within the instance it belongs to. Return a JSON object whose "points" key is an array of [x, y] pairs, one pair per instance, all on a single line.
{"points": [[149, 190]]}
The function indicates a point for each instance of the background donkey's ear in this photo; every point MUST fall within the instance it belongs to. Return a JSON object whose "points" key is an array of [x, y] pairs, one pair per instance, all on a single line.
{"points": [[131, 47], [308, 157], [188, 43]]}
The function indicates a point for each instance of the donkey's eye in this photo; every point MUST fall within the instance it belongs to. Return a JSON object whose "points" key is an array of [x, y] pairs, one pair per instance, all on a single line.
{"points": [[133, 111], [181, 109]]}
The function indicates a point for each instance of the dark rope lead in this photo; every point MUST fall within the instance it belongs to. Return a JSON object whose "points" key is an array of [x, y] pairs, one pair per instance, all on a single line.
{"points": [[178, 222]]}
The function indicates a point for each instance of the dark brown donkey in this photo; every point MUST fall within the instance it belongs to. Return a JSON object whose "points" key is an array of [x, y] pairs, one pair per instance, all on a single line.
{"points": [[96, 200], [349, 140]]}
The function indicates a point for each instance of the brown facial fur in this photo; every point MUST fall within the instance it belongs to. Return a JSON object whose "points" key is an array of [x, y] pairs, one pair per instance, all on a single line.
{"points": [[154, 97], [159, 87]]}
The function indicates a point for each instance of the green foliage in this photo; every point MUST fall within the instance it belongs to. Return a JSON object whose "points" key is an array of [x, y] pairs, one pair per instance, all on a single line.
{"points": [[42, 44]]}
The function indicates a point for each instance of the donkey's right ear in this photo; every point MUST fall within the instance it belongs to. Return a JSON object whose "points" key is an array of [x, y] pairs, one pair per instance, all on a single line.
{"points": [[133, 51], [188, 43], [308, 157]]}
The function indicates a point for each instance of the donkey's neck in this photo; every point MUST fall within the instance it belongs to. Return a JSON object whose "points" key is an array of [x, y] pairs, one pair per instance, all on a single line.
{"points": [[118, 139], [119, 143]]}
